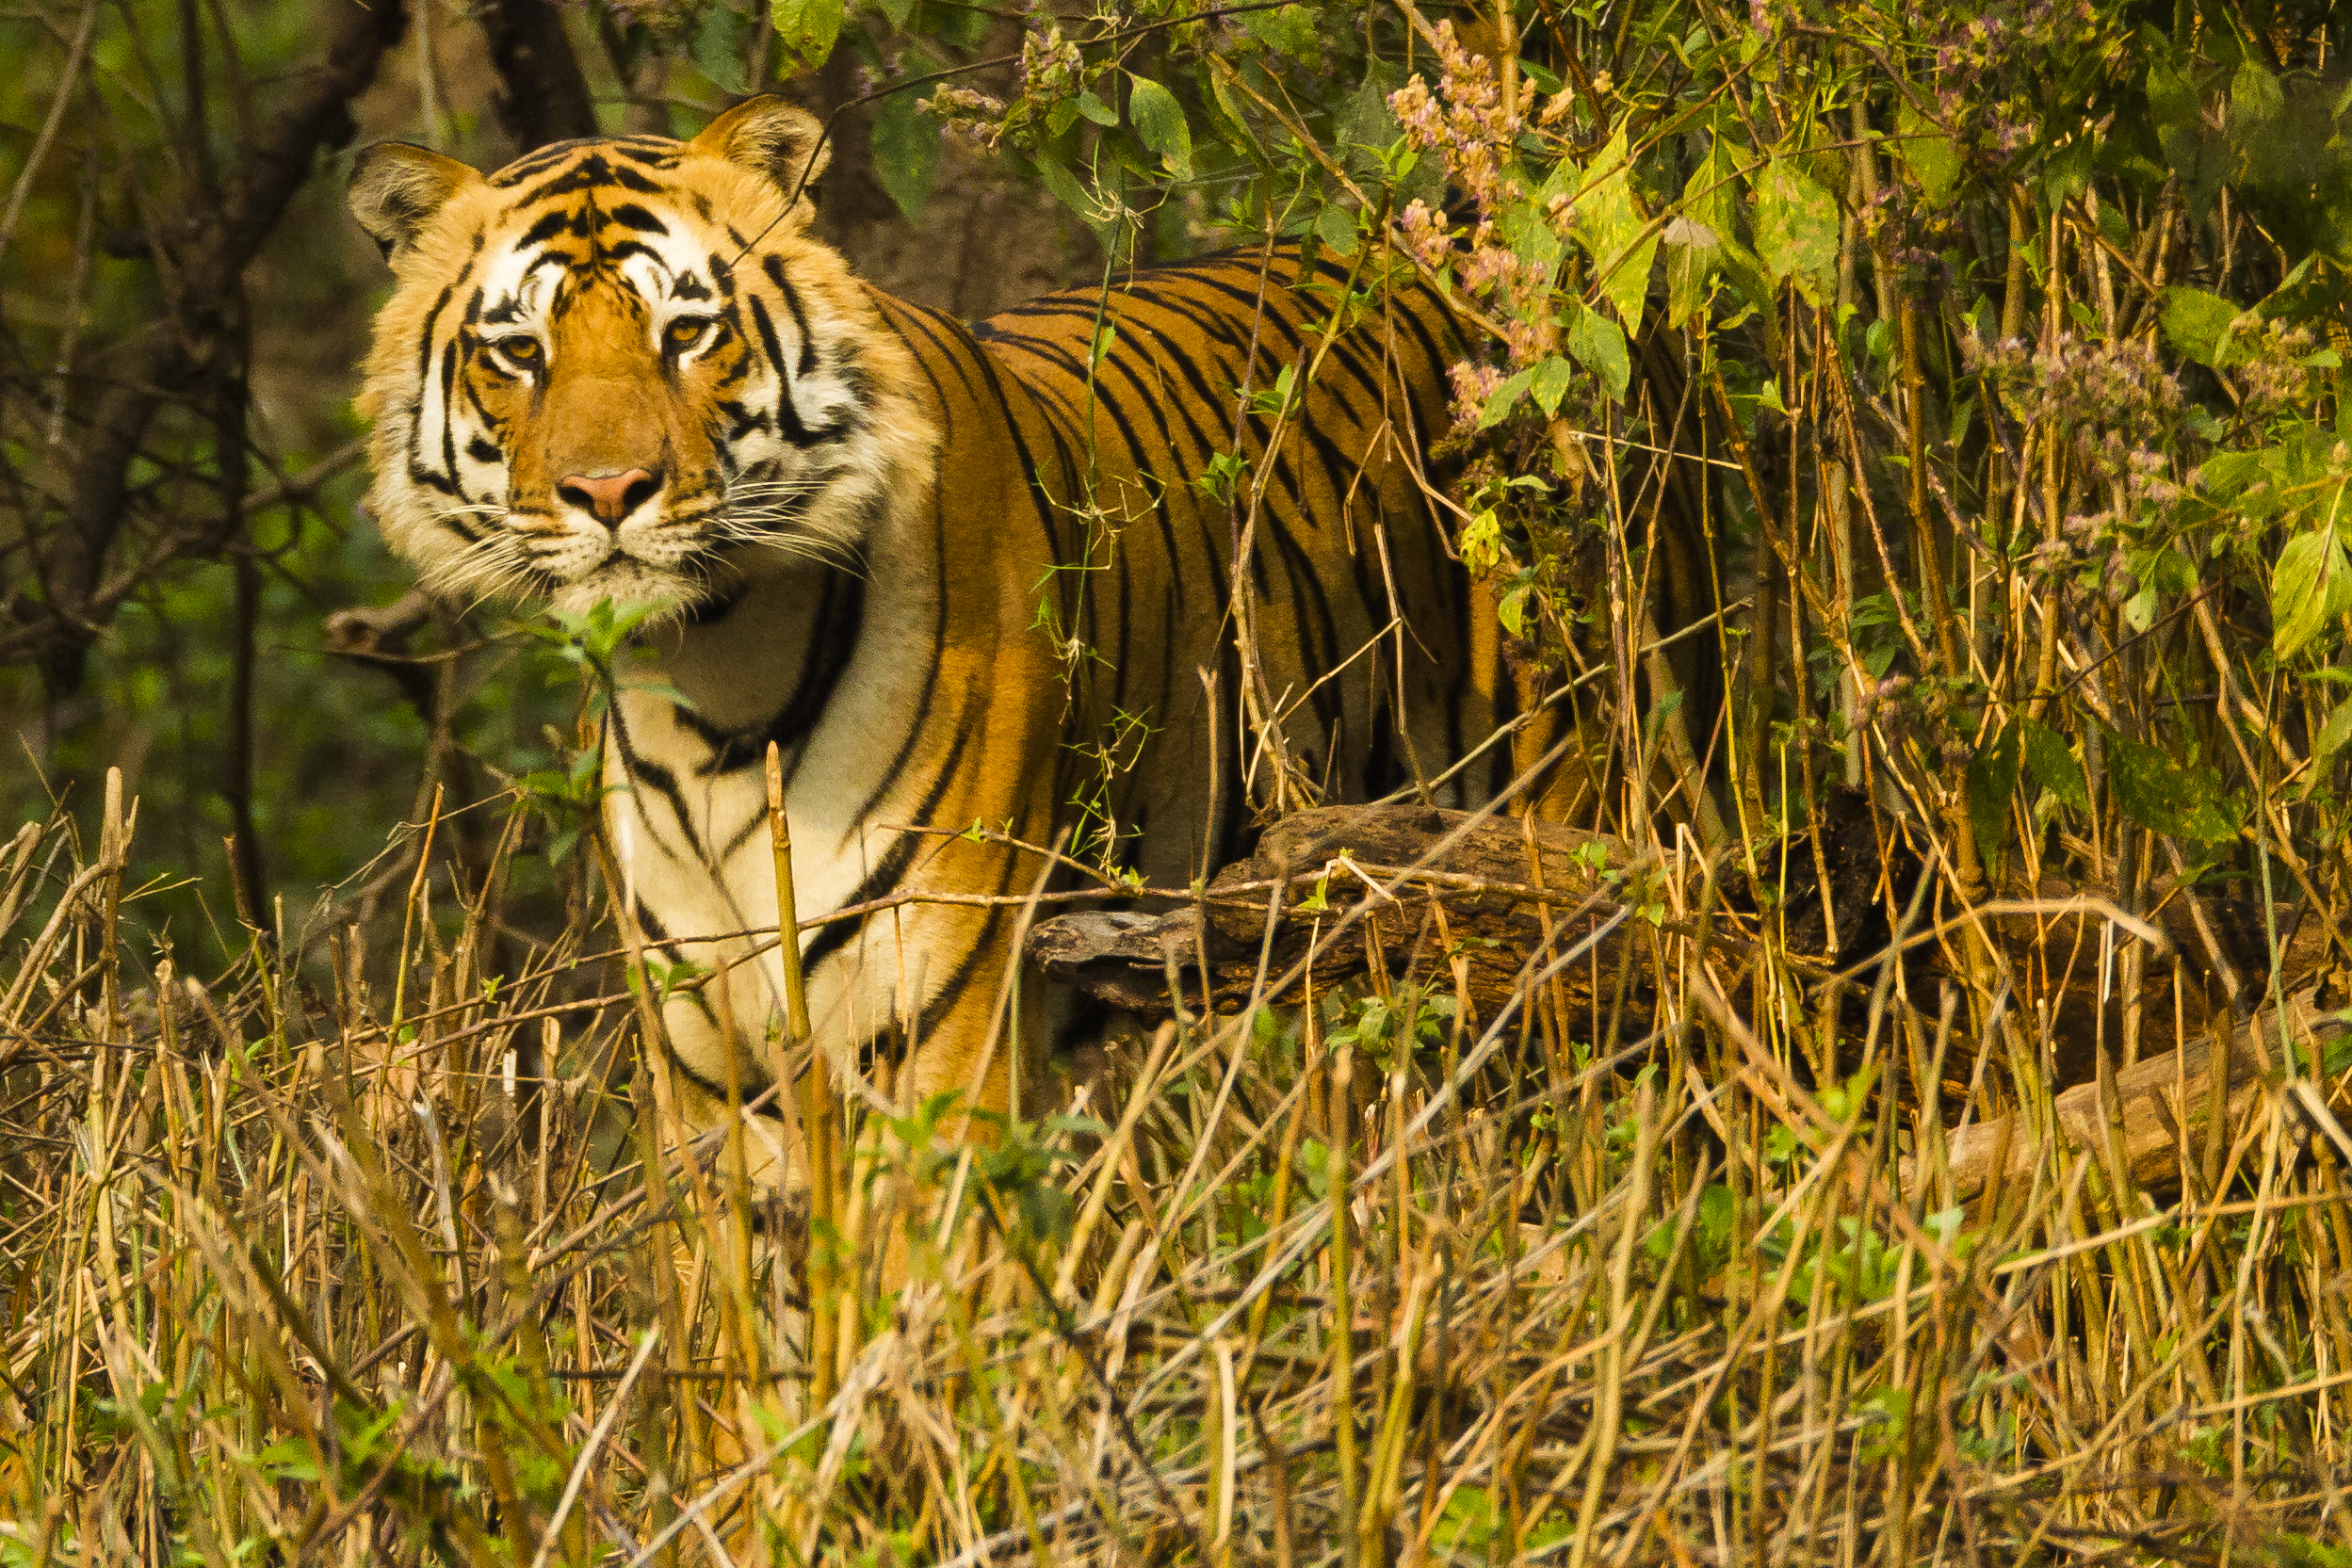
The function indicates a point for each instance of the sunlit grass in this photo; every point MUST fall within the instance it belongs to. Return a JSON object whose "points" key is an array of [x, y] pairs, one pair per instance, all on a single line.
{"points": [[299, 1270]]}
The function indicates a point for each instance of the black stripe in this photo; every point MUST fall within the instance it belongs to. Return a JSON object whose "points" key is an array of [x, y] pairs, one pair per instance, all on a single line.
{"points": [[663, 782], [590, 173], [424, 370], [955, 349], [773, 266], [832, 642], [883, 879], [449, 408], [628, 214], [622, 250], [541, 158], [557, 222]]}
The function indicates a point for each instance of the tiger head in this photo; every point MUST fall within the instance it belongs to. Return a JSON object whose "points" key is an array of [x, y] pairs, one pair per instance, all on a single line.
{"points": [[621, 369]]}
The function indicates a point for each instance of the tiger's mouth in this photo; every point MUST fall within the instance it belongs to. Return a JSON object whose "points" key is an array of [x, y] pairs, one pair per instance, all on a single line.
{"points": [[682, 559]]}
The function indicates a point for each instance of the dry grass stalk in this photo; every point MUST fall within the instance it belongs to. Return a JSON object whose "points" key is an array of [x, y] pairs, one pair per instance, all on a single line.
{"points": [[283, 1276]]}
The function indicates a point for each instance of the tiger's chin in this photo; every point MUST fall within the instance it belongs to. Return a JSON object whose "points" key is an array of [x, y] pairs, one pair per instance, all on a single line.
{"points": [[653, 596]]}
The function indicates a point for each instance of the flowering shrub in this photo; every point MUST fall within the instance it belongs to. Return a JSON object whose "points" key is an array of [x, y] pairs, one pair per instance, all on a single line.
{"points": [[1931, 366]]}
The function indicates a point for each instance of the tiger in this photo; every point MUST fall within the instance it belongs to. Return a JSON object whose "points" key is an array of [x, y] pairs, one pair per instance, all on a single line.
{"points": [[976, 584]]}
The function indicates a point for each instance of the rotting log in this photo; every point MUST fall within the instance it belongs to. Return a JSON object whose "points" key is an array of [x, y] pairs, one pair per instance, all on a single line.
{"points": [[1446, 887], [1454, 898], [2158, 1116]]}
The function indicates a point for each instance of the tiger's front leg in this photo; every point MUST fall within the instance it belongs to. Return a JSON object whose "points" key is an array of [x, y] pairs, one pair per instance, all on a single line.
{"points": [[918, 1019]]}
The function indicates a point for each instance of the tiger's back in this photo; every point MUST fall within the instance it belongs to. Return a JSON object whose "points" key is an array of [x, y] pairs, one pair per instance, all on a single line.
{"points": [[1371, 669]]}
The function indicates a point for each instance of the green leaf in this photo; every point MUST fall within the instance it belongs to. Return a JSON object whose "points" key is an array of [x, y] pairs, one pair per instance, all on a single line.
{"points": [[2067, 174], [1693, 253], [2163, 797], [906, 153], [1718, 1211], [2199, 324], [1609, 220], [1993, 779], [719, 45], [1290, 29], [1501, 401], [1550, 383], [2172, 100], [1159, 120], [1925, 152], [2332, 735], [1797, 230], [2053, 765], [2255, 97], [290, 1459], [1511, 611], [1336, 227], [1712, 197], [1095, 109], [1599, 345], [2310, 587], [1064, 187], [1367, 129], [807, 29]]}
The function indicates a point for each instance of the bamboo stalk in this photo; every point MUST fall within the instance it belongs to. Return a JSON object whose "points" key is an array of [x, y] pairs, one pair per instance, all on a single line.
{"points": [[817, 1107]]}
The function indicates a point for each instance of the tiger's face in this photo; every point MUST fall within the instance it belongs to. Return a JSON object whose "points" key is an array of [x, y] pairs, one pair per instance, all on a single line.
{"points": [[619, 370]]}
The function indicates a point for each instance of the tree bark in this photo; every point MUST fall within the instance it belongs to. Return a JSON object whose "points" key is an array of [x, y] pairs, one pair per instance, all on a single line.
{"points": [[1443, 888], [542, 94]]}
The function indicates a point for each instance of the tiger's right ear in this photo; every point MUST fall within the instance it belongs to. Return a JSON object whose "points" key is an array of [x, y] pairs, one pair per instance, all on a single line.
{"points": [[397, 188]]}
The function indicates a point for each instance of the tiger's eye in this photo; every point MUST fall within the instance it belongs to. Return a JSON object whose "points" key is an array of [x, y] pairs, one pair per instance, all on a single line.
{"points": [[686, 332], [520, 351]]}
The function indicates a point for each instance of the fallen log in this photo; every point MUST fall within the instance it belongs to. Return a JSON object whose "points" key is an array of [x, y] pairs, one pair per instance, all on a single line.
{"points": [[1457, 899], [2168, 1112], [1449, 898]]}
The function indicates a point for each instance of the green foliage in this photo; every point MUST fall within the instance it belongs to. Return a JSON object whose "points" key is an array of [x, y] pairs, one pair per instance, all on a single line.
{"points": [[1017, 1169], [1797, 230], [1992, 778], [2202, 326], [1615, 236], [1390, 1029], [2166, 797], [2052, 766], [1159, 123], [807, 29], [906, 153]]}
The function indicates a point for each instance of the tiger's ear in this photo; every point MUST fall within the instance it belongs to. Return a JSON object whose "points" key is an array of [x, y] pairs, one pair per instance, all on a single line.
{"points": [[397, 188], [771, 138]]}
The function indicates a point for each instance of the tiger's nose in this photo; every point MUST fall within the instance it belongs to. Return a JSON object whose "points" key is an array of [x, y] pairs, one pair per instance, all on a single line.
{"points": [[610, 497]]}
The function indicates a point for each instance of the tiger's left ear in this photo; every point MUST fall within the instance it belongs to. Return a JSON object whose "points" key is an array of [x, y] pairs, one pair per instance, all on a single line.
{"points": [[772, 138]]}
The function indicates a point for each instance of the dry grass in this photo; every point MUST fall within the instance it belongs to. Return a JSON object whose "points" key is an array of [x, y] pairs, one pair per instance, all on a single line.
{"points": [[298, 1270]]}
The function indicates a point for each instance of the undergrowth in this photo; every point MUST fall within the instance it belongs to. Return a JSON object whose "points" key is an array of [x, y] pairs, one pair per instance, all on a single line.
{"points": [[311, 1262]]}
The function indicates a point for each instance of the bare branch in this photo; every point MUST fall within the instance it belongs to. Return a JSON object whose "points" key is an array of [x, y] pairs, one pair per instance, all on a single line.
{"points": [[314, 113]]}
